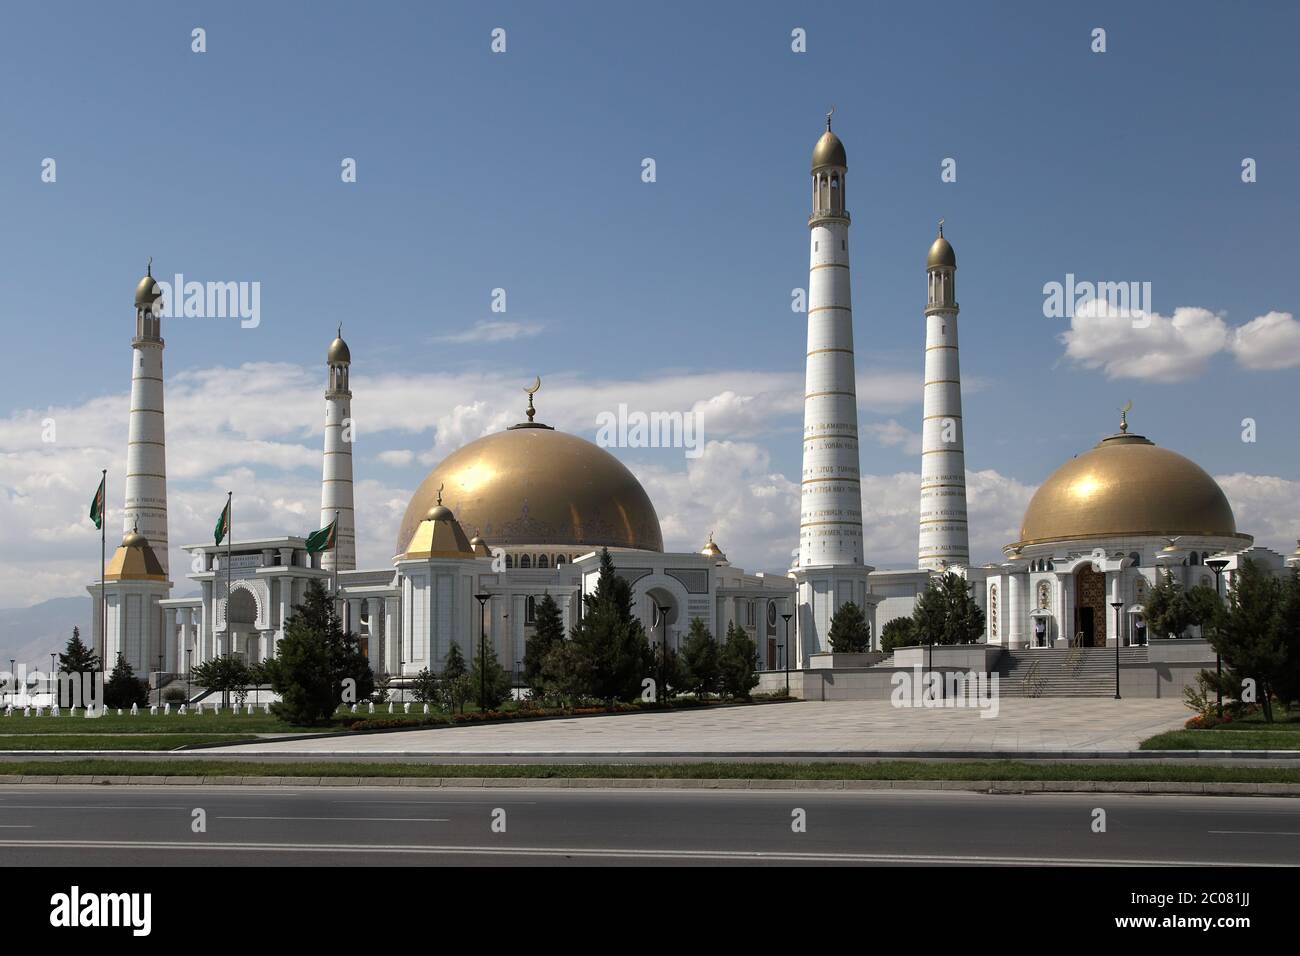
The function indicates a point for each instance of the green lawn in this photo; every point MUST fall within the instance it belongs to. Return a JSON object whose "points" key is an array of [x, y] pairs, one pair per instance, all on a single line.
{"points": [[174, 723], [981, 770], [1250, 733], [49, 741]]}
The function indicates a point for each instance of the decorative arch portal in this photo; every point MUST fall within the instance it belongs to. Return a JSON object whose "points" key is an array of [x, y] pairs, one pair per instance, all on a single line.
{"points": [[241, 624], [1090, 607]]}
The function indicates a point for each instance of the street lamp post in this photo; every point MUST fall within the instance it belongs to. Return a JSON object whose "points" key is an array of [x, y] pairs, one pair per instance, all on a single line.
{"points": [[482, 655], [662, 690], [160, 677], [188, 652], [13, 681], [786, 649], [1217, 565], [53, 684], [1117, 605]]}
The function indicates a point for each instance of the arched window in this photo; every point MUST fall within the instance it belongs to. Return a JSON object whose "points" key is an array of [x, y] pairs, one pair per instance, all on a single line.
{"points": [[543, 562], [525, 561], [510, 560], [530, 610], [559, 560]]}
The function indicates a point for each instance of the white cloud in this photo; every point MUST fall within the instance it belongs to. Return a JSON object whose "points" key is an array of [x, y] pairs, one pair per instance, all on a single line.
{"points": [[1268, 343], [1156, 348], [494, 331], [1145, 346], [397, 457]]}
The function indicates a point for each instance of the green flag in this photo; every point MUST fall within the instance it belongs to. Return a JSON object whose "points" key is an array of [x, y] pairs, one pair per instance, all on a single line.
{"points": [[223, 524], [322, 540], [97, 505]]}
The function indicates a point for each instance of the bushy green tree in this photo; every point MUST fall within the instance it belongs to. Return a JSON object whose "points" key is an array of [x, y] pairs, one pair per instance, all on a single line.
{"points": [[489, 681], [227, 673], [123, 688], [900, 632], [946, 612], [737, 663], [700, 660], [453, 683], [1252, 636], [849, 633], [614, 653], [317, 662], [563, 678], [548, 631], [1205, 609], [669, 673], [1166, 610], [424, 686]]}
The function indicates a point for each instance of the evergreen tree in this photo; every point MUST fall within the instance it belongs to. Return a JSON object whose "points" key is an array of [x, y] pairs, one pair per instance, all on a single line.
{"points": [[453, 684], [123, 688], [613, 653], [1204, 609], [548, 631], [849, 632], [1252, 635], [563, 677], [946, 613], [737, 662], [669, 673], [77, 658], [700, 660], [900, 632], [1287, 681], [1166, 610], [489, 682], [317, 662], [224, 673], [424, 687]]}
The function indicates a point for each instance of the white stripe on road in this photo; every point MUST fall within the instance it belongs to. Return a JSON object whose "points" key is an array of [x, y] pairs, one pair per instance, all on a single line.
{"points": [[1257, 832], [352, 819], [735, 855]]}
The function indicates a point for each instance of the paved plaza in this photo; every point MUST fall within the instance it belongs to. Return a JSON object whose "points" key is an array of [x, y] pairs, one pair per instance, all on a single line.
{"points": [[1022, 724]]}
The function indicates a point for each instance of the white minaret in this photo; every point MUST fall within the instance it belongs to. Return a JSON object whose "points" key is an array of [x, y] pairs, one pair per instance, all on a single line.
{"points": [[146, 453], [336, 475], [943, 535], [830, 569]]}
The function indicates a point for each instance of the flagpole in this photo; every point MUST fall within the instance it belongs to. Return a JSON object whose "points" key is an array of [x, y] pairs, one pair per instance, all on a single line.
{"points": [[230, 543], [103, 555]]}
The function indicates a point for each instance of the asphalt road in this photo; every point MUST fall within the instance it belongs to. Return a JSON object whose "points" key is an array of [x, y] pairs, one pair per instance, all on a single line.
{"points": [[124, 826]]}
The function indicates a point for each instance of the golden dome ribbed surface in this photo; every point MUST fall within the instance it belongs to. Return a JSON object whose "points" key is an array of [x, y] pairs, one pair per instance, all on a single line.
{"points": [[532, 485], [147, 292], [829, 151], [1127, 486], [941, 254], [339, 353]]}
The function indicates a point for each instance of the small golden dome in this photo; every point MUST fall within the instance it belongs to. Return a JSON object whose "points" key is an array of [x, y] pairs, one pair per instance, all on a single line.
{"points": [[829, 151], [147, 293], [1127, 486], [339, 353], [479, 546], [941, 253], [134, 560], [439, 535], [711, 550], [532, 485]]}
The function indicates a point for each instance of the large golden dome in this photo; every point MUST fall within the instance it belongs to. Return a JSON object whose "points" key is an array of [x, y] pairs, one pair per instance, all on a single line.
{"points": [[1127, 486], [532, 485]]}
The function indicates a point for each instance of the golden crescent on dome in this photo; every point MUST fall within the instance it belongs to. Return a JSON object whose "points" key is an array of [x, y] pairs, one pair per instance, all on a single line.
{"points": [[1128, 407], [537, 383]]}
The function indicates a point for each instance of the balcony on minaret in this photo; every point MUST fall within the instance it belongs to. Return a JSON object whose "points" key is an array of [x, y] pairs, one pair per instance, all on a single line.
{"points": [[828, 196]]}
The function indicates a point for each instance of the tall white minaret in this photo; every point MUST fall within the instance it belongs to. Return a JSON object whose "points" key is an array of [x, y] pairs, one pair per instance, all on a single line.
{"points": [[830, 524], [830, 569], [943, 533], [146, 453], [336, 476]]}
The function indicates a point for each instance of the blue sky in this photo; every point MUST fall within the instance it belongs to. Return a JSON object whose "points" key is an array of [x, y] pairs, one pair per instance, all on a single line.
{"points": [[522, 171]]}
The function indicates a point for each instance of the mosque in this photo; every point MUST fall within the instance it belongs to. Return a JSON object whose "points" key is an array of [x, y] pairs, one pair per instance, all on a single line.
{"points": [[490, 531]]}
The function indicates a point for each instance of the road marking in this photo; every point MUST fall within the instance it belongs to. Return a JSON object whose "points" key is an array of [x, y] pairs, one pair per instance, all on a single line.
{"points": [[738, 855], [1257, 832], [352, 819]]}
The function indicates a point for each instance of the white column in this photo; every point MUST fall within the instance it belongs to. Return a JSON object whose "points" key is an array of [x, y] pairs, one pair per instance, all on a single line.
{"points": [[1015, 611], [336, 475], [146, 454], [168, 639], [374, 611], [392, 633], [943, 538]]}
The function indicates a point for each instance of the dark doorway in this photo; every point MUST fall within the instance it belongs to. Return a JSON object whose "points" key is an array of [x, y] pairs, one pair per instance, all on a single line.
{"points": [[1086, 627]]}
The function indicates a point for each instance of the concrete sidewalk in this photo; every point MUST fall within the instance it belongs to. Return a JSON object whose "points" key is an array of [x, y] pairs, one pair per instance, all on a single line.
{"points": [[1028, 725]]}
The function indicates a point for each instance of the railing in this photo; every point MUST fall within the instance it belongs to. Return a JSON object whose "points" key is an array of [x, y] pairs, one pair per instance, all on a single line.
{"points": [[1031, 686]]}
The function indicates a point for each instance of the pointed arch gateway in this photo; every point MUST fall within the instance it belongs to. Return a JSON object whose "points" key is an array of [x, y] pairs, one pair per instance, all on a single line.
{"points": [[1090, 606]]}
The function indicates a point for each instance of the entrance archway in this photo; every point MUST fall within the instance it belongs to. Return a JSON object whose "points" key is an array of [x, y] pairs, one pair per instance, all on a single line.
{"points": [[241, 616], [1090, 606]]}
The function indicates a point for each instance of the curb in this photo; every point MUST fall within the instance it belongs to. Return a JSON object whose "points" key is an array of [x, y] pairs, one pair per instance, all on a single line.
{"points": [[684, 783]]}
